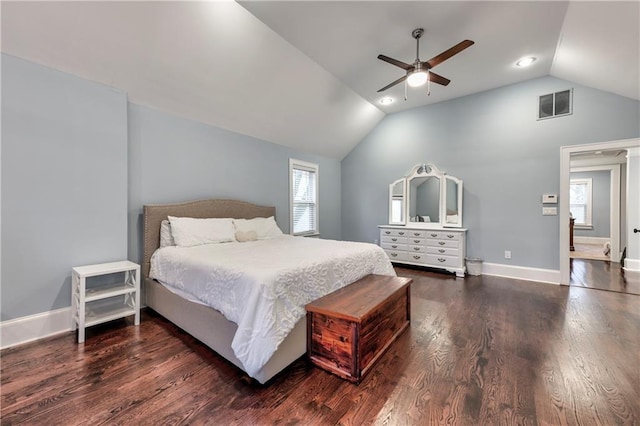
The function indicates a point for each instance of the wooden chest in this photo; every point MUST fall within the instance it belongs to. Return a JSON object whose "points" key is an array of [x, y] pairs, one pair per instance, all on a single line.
{"points": [[349, 329]]}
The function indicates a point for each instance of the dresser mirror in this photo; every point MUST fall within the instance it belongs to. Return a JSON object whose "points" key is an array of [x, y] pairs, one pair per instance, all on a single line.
{"points": [[453, 201], [424, 203], [397, 194], [426, 197]]}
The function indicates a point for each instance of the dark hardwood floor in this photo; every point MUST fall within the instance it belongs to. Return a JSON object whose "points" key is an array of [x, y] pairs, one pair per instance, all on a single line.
{"points": [[479, 351], [603, 275]]}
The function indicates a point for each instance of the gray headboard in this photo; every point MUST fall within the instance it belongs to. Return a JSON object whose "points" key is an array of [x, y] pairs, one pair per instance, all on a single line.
{"points": [[154, 214]]}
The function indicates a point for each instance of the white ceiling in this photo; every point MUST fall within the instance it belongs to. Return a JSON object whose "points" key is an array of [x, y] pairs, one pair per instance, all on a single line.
{"points": [[305, 74]]}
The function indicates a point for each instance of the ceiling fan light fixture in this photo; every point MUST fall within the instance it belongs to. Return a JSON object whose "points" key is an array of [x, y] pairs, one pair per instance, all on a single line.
{"points": [[525, 61], [417, 79]]}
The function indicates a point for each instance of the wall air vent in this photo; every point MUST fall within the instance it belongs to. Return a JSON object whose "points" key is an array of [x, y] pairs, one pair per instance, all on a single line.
{"points": [[555, 104]]}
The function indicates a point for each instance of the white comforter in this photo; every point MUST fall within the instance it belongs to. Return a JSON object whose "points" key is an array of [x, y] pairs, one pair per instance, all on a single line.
{"points": [[263, 285]]}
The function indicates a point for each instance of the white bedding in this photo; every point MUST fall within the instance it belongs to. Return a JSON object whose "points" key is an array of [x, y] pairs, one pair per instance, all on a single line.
{"points": [[263, 285]]}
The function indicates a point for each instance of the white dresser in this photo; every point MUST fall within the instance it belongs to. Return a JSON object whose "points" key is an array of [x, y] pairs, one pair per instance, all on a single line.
{"points": [[440, 247]]}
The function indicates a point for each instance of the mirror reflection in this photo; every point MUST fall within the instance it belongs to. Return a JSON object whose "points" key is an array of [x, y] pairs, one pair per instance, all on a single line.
{"points": [[452, 201], [425, 199], [396, 202]]}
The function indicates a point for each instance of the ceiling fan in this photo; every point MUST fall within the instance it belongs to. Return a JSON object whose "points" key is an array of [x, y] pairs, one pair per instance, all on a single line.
{"points": [[419, 72]]}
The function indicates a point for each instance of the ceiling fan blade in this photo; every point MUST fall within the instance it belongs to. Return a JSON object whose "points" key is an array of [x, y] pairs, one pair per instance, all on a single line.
{"points": [[400, 80], [435, 78], [447, 54], [394, 62]]}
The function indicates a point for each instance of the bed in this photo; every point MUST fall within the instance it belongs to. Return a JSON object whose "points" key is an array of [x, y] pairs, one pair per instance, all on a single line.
{"points": [[210, 325]]}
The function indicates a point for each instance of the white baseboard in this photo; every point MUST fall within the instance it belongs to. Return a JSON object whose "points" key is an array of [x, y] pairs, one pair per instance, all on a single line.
{"points": [[549, 276], [591, 240], [632, 264], [34, 327]]}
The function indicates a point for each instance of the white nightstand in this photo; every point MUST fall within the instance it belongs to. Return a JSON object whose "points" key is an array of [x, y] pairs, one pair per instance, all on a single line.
{"points": [[97, 304]]}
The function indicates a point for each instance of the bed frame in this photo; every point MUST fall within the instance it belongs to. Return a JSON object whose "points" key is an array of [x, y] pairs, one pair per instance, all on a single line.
{"points": [[204, 323]]}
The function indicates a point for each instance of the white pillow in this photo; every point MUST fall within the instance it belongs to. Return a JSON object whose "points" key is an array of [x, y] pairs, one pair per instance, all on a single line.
{"points": [[166, 239], [188, 231], [264, 227]]}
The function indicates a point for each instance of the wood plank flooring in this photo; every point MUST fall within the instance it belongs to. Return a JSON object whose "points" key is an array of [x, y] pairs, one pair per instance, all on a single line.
{"points": [[603, 275], [479, 351]]}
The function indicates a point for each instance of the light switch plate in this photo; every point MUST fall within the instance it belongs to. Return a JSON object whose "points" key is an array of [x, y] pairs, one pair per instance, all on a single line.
{"points": [[549, 211], [549, 198]]}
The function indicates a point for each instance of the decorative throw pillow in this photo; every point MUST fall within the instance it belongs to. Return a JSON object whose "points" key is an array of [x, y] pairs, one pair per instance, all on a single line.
{"points": [[188, 231], [264, 227], [244, 236], [166, 239]]}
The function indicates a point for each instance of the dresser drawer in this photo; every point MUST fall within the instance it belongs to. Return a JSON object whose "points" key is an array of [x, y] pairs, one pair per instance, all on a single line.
{"points": [[393, 239], [415, 233], [416, 257], [439, 251], [416, 241], [443, 235], [396, 255], [442, 243], [416, 249], [394, 232], [443, 260], [394, 246]]}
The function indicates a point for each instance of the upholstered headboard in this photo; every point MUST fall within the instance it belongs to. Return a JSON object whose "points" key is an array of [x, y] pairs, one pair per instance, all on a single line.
{"points": [[154, 214]]}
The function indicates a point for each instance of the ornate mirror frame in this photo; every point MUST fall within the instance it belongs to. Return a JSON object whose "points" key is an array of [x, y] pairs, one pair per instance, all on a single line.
{"points": [[449, 200]]}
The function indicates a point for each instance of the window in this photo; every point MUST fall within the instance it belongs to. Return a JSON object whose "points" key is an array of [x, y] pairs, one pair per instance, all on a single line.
{"points": [[555, 104], [303, 196], [580, 201]]}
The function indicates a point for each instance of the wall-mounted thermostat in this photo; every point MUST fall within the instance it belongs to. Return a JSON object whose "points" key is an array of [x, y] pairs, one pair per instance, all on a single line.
{"points": [[549, 198]]}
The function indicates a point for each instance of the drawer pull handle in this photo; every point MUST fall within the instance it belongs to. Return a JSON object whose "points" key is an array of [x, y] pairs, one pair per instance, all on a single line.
{"points": [[441, 250], [394, 239], [434, 235], [417, 257], [441, 259], [393, 254], [394, 246], [450, 235], [401, 233], [416, 241], [416, 248], [417, 234], [441, 243], [387, 232]]}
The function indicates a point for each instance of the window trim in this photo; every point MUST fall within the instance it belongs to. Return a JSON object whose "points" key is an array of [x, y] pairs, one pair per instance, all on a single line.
{"points": [[310, 167], [588, 205]]}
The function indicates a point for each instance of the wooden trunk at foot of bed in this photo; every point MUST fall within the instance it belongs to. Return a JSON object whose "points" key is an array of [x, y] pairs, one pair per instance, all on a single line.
{"points": [[351, 328]]}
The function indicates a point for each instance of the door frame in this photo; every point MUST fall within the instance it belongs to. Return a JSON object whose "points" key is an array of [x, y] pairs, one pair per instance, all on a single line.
{"points": [[614, 203], [565, 171]]}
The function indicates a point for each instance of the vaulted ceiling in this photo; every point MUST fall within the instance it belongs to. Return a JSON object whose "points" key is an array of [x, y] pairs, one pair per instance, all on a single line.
{"points": [[304, 74]]}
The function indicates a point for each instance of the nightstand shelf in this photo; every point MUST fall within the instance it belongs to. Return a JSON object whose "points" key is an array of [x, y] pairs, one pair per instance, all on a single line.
{"points": [[95, 304], [110, 291], [102, 314]]}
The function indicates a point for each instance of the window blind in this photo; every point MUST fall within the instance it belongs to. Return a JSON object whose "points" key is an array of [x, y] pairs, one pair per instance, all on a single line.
{"points": [[304, 199]]}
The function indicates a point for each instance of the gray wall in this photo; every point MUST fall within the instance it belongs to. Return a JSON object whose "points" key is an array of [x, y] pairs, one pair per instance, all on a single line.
{"points": [[64, 183], [506, 158], [601, 203], [173, 159], [78, 163]]}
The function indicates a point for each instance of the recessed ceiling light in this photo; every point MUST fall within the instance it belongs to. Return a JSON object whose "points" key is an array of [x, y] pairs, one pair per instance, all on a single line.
{"points": [[526, 61], [386, 101]]}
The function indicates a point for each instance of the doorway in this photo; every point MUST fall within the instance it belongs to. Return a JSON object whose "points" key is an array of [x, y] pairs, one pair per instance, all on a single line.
{"points": [[606, 275]]}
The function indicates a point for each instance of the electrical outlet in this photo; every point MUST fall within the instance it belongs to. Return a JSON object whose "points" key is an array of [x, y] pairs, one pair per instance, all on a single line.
{"points": [[375, 242], [507, 254]]}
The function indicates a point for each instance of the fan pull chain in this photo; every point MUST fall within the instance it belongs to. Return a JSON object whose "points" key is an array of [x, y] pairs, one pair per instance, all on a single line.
{"points": [[405, 90], [428, 83]]}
